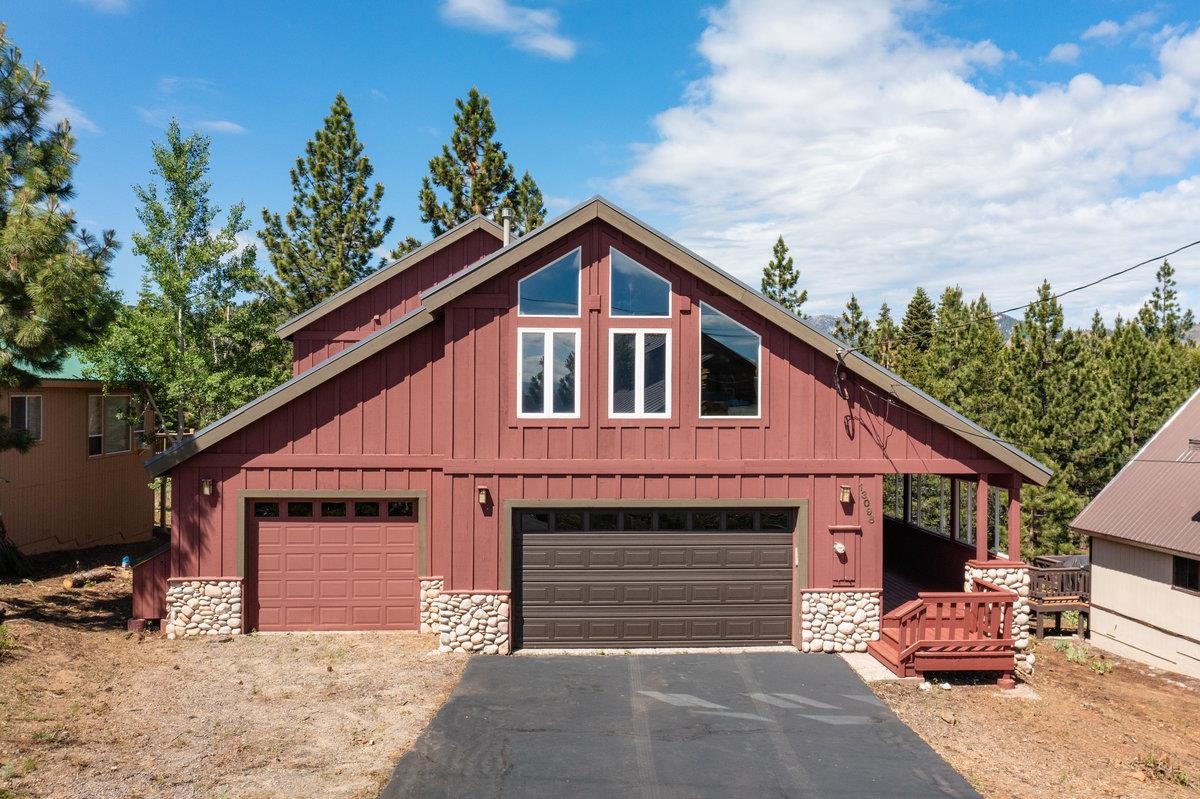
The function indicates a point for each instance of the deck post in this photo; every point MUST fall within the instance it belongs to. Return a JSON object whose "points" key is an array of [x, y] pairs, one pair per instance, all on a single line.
{"points": [[955, 522], [1014, 518], [981, 518], [907, 482]]}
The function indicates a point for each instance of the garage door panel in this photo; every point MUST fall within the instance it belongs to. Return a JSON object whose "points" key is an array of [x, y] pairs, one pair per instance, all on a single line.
{"points": [[334, 573], [651, 587]]}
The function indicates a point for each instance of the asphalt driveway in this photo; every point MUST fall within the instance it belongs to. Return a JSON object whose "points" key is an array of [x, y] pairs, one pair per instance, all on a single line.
{"points": [[771, 724]]}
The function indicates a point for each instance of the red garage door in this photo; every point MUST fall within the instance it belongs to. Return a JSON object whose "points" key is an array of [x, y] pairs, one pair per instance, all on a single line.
{"points": [[333, 565]]}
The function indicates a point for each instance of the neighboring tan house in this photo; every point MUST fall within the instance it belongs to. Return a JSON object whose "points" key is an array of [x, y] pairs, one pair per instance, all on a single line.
{"points": [[587, 437], [82, 484], [1145, 529]]}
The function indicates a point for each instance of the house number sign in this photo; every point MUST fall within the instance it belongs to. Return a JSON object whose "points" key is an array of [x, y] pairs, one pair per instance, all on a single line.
{"points": [[866, 501]]}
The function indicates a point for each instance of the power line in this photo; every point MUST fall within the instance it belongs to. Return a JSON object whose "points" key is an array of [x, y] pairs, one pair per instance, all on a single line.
{"points": [[996, 315]]}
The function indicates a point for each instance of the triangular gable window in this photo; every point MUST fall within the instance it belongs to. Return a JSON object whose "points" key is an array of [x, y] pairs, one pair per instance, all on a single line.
{"points": [[634, 290], [552, 290]]}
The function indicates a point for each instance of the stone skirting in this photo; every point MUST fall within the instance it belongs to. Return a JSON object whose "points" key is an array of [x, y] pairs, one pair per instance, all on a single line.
{"points": [[1014, 576], [203, 607], [472, 623], [431, 589], [839, 621]]}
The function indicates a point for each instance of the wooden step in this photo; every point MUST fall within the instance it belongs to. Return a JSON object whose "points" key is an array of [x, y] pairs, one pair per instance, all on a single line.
{"points": [[888, 653]]}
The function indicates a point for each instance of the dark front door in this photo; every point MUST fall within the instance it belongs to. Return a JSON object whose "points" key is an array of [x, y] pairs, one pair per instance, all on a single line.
{"points": [[654, 577]]}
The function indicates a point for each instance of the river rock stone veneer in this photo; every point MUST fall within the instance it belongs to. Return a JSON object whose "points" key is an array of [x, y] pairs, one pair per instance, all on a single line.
{"points": [[203, 607], [473, 623], [1014, 577], [431, 589], [838, 621]]}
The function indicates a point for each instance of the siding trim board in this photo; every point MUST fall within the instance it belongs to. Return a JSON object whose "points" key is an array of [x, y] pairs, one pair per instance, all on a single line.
{"points": [[475, 276]]}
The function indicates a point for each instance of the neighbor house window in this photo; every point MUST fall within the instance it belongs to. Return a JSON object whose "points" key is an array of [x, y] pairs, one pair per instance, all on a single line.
{"points": [[729, 366], [546, 379], [552, 290], [25, 413], [634, 290], [108, 424], [1186, 574], [639, 373]]}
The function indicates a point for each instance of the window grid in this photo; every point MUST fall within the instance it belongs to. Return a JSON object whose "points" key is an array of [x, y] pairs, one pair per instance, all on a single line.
{"points": [[25, 413], [639, 373], [549, 340]]}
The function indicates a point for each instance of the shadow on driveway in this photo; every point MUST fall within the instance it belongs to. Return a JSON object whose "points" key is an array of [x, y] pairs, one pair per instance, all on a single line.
{"points": [[771, 724]]}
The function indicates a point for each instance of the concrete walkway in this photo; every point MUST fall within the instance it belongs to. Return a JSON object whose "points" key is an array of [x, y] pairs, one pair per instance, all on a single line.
{"points": [[769, 724]]}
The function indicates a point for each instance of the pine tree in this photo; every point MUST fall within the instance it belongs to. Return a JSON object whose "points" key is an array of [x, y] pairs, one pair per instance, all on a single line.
{"points": [[883, 339], [963, 356], [853, 328], [779, 279], [475, 177], [54, 293], [329, 238], [915, 332], [1162, 316], [200, 337]]}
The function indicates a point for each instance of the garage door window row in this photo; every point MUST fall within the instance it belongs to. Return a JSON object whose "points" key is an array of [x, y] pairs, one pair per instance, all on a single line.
{"points": [[647, 520], [404, 509]]}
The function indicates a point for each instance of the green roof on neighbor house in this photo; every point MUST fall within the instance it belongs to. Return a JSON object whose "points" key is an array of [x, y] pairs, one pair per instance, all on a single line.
{"points": [[71, 369]]}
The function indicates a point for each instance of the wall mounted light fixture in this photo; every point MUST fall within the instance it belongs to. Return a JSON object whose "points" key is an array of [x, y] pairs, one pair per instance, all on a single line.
{"points": [[206, 486], [483, 494], [844, 495]]}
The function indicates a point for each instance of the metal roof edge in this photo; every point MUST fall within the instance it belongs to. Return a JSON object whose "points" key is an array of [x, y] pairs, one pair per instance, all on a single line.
{"points": [[387, 271]]}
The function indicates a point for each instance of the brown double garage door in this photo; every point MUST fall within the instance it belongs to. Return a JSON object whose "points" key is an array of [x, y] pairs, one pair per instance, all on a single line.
{"points": [[654, 576]]}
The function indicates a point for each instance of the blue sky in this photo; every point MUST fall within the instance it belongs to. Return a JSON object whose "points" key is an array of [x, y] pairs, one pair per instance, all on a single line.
{"points": [[892, 143]]}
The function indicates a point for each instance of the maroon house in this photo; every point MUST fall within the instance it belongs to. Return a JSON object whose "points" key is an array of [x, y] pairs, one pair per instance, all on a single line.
{"points": [[590, 437]]}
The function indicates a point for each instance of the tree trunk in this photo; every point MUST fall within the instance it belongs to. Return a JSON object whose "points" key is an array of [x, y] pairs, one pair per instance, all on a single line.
{"points": [[79, 579]]}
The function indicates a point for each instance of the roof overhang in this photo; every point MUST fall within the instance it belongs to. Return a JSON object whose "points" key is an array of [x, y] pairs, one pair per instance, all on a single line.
{"points": [[385, 273], [598, 208]]}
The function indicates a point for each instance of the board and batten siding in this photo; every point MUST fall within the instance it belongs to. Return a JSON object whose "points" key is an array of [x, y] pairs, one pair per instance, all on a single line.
{"points": [[1135, 611], [437, 412], [362, 316], [57, 497]]}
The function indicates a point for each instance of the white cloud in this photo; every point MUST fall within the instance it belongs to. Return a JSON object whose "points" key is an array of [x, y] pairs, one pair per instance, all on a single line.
{"points": [[219, 126], [107, 6], [1065, 53], [61, 107], [532, 29], [885, 167], [1107, 30]]}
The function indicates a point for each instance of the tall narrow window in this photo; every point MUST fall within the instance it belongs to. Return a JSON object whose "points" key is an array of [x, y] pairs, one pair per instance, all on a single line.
{"points": [[634, 290], [95, 425], [108, 424], [639, 373], [552, 290], [547, 383], [729, 366], [25, 413]]}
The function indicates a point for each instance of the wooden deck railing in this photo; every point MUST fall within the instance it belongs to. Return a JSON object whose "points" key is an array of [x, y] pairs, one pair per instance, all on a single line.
{"points": [[150, 583], [936, 619], [1048, 583]]}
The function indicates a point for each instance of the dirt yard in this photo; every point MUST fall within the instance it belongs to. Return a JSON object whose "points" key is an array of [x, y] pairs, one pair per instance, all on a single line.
{"points": [[1087, 725], [87, 710]]}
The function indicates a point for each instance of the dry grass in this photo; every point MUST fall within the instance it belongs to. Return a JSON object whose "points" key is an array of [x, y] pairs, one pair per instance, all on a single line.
{"points": [[88, 710], [1100, 726]]}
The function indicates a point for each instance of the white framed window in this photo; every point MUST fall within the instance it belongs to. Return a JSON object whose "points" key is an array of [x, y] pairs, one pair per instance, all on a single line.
{"points": [[553, 290], [547, 372], [730, 366], [108, 424], [25, 413], [639, 373], [636, 291]]}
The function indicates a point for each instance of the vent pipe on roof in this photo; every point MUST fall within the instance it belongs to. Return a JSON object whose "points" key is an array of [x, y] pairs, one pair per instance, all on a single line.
{"points": [[506, 220]]}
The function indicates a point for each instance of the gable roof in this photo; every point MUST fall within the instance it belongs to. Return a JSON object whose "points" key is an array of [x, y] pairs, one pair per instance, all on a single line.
{"points": [[598, 208], [1154, 500], [385, 273]]}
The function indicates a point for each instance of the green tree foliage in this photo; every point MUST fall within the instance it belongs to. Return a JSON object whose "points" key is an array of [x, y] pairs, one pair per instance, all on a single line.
{"points": [[329, 237], [779, 279], [200, 337], [54, 293], [916, 329], [473, 176], [1162, 316], [883, 339], [853, 328], [962, 363]]}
